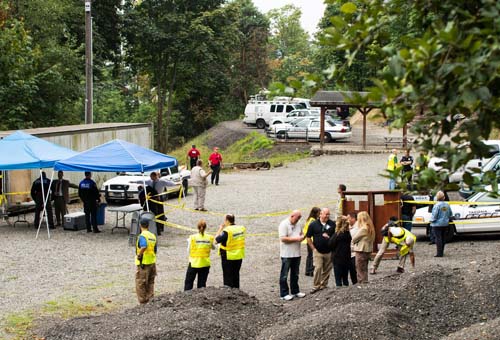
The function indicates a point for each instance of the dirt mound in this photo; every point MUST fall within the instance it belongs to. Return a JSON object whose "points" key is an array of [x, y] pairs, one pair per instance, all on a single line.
{"points": [[425, 305], [209, 313], [227, 133], [483, 331], [351, 321]]}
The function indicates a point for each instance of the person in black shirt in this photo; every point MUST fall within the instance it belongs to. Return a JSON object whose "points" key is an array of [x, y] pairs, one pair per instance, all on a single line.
{"points": [[318, 234], [407, 163], [89, 194], [407, 211], [37, 194]]}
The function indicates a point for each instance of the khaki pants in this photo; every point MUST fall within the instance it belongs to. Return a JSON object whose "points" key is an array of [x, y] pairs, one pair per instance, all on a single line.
{"points": [[145, 282], [199, 197], [362, 259], [322, 269], [383, 248]]}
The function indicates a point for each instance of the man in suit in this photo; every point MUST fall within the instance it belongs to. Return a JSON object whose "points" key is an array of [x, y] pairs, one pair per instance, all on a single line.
{"points": [[60, 194]]}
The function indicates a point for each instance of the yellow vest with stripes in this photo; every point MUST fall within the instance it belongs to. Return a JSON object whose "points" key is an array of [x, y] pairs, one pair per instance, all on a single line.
{"points": [[392, 162], [149, 256], [199, 250], [399, 240], [235, 245]]}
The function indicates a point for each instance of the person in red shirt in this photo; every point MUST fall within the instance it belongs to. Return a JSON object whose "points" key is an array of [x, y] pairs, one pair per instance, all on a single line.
{"points": [[215, 161], [193, 155]]}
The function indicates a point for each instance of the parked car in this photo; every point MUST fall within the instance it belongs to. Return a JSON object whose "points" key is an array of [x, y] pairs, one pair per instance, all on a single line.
{"points": [[494, 145], [293, 115], [482, 217], [492, 165], [124, 187], [260, 112], [310, 129]]}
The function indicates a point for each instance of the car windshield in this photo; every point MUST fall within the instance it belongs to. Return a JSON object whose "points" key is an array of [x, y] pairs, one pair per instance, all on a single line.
{"points": [[134, 173], [492, 164]]}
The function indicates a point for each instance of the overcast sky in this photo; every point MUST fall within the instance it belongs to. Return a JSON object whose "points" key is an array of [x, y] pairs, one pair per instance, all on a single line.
{"points": [[312, 10]]}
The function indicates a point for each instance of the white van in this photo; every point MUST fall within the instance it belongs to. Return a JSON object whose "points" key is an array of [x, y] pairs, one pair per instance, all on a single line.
{"points": [[260, 112]]}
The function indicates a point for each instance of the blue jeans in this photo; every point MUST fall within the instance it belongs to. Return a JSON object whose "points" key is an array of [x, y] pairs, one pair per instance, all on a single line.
{"points": [[292, 265], [392, 184], [407, 222], [440, 239]]}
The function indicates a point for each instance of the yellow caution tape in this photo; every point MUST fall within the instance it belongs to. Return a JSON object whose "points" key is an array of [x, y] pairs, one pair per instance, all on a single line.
{"points": [[181, 227], [462, 221], [449, 202]]}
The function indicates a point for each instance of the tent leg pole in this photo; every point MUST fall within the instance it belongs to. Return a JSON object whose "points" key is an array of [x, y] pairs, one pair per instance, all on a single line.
{"points": [[43, 212], [145, 192]]}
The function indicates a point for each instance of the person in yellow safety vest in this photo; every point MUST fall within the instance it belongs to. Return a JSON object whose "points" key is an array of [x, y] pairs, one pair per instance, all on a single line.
{"points": [[313, 216], [404, 241], [422, 162], [199, 246], [145, 260], [231, 238], [392, 164]]}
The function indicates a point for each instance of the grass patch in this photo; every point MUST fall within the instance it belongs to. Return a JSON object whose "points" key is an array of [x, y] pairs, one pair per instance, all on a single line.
{"points": [[247, 149], [18, 324], [70, 308]]}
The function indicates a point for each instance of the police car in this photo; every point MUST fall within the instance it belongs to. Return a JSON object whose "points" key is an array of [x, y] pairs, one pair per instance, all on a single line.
{"points": [[125, 186], [480, 213]]}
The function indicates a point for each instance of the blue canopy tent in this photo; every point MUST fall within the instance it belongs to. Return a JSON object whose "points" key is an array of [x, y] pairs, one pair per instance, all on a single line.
{"points": [[20, 151], [117, 156]]}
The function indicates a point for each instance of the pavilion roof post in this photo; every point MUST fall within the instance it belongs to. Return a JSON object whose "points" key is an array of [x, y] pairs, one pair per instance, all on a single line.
{"points": [[322, 127]]}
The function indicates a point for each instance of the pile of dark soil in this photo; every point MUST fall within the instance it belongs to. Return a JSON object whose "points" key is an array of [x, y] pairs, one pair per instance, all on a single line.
{"points": [[211, 313], [227, 133], [462, 303]]}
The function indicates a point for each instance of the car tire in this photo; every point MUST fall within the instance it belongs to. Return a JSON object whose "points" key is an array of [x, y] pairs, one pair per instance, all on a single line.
{"points": [[328, 138], [261, 124], [281, 135], [450, 233]]}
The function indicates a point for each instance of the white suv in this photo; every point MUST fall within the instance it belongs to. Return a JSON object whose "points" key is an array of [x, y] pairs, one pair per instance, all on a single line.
{"points": [[290, 116], [124, 187]]}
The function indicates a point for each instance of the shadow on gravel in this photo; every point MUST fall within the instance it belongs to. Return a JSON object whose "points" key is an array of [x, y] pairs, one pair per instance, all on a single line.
{"points": [[427, 305]]}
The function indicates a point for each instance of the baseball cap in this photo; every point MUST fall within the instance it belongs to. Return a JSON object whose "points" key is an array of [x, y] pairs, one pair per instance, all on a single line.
{"points": [[144, 222]]}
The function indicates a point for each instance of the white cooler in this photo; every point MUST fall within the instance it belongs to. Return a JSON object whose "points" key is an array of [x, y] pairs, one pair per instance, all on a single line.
{"points": [[74, 221]]}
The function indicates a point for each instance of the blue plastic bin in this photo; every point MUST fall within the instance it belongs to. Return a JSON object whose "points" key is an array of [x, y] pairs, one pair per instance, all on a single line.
{"points": [[101, 213]]}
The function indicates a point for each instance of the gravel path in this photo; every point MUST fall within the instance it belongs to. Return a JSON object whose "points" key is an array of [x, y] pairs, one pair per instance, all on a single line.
{"points": [[90, 268]]}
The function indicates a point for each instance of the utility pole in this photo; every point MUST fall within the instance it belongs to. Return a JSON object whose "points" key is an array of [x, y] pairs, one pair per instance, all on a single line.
{"points": [[89, 95]]}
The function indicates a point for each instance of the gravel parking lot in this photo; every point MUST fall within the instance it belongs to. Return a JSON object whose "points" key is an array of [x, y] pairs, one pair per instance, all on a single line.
{"points": [[99, 268]]}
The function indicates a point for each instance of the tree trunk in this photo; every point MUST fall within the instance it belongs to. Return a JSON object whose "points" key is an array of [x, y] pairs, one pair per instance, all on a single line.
{"points": [[159, 115], [168, 114]]}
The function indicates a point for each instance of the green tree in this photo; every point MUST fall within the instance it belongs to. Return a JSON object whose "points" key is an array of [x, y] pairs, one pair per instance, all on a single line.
{"points": [[17, 63], [289, 44], [250, 69], [445, 66], [183, 47]]}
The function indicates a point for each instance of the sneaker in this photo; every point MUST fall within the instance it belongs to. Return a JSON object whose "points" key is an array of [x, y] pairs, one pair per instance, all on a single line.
{"points": [[400, 270], [288, 297], [314, 290], [373, 271], [300, 295]]}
